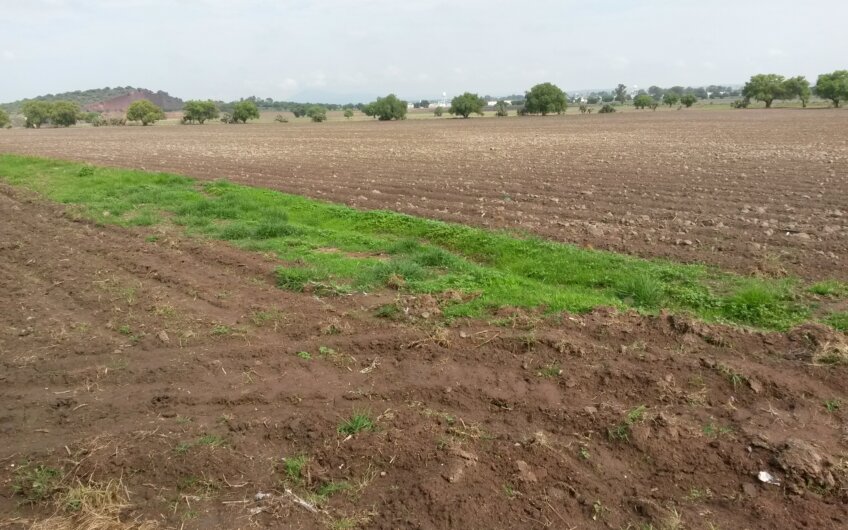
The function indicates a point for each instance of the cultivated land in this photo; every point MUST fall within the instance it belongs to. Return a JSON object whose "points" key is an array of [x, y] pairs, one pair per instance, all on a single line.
{"points": [[752, 191], [189, 354]]}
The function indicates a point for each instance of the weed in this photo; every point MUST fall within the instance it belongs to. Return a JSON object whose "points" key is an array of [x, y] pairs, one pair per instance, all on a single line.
{"points": [[832, 405], [293, 467], [712, 431], [36, 482], [151, 239], [698, 495], [221, 330], [642, 290], [183, 448], [305, 355], [331, 488], [584, 452], [260, 318], [838, 320], [389, 311], [510, 490], [550, 371], [830, 288], [296, 279], [211, 440], [621, 431], [599, 511], [125, 330], [759, 304], [736, 379], [358, 422]]}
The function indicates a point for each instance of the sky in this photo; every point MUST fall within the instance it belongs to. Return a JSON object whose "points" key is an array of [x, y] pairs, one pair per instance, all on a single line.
{"points": [[337, 51]]}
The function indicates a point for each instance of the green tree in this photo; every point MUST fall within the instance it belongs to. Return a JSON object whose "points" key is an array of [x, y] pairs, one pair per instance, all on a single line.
{"points": [[64, 113], [797, 87], [501, 109], [387, 108], [317, 113], [144, 111], [245, 110], [688, 100], [765, 88], [438, 111], [348, 113], [4, 119], [466, 104], [593, 100], [621, 93], [671, 98], [424, 104], [643, 101], [833, 86], [196, 111], [36, 113], [545, 98]]}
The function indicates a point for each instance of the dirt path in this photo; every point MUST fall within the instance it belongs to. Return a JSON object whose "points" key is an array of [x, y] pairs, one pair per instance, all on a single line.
{"points": [[171, 365], [753, 191]]}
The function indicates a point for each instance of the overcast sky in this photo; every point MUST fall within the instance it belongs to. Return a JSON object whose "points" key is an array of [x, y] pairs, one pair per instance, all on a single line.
{"points": [[339, 50]]}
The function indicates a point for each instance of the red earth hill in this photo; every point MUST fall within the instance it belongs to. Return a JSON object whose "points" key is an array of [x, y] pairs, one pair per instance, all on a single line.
{"points": [[120, 104]]}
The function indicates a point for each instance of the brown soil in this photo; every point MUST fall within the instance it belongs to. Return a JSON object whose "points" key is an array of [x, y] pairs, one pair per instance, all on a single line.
{"points": [[119, 354], [759, 191]]}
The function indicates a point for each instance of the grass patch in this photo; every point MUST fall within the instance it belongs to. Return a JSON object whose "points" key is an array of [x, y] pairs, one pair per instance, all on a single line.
{"points": [[838, 321], [495, 268], [360, 421], [294, 467], [830, 288], [621, 431], [36, 482]]}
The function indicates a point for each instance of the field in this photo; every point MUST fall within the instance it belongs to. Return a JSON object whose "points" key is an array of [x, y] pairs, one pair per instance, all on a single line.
{"points": [[181, 353]]}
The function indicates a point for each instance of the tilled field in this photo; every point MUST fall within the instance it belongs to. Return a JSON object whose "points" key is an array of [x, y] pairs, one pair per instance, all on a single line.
{"points": [[167, 383], [753, 191]]}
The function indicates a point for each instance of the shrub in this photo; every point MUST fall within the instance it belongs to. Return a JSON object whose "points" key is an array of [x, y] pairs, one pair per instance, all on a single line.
{"points": [[4, 118], [243, 111], [279, 118], [688, 100], [348, 113], [741, 103], [317, 113], [466, 104], [643, 101], [64, 113], [438, 112], [501, 109], [36, 113], [606, 109]]}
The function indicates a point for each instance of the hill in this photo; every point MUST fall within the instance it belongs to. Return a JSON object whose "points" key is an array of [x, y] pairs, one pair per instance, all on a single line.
{"points": [[104, 99]]}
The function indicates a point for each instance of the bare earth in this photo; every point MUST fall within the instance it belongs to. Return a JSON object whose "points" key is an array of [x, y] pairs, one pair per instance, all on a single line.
{"points": [[753, 191]]}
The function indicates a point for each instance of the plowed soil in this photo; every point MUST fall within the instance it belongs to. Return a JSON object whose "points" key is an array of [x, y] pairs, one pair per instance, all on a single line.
{"points": [[759, 191], [171, 366]]}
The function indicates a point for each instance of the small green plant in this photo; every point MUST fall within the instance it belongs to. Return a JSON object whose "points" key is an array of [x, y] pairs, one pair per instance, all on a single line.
{"points": [[832, 405], [305, 355], [360, 421], [220, 330], [296, 279], [642, 290], [183, 448], [838, 321], [510, 490], [621, 431], [211, 440], [125, 330], [86, 171], [293, 467], [550, 371], [714, 431], [584, 452], [829, 288], [35, 482], [389, 311], [329, 489], [151, 239], [736, 379], [599, 511]]}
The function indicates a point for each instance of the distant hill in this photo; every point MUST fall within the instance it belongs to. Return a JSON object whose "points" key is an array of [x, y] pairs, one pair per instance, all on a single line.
{"points": [[109, 99]]}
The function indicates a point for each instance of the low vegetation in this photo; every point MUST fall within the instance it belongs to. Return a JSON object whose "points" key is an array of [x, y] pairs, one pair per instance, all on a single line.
{"points": [[145, 112], [378, 250]]}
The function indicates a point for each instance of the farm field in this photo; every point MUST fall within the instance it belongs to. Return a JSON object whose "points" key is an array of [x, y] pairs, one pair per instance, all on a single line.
{"points": [[751, 191], [191, 353]]}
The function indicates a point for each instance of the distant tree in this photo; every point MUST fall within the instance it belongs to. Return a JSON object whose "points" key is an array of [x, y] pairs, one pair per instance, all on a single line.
{"points": [[797, 87], [643, 101], [466, 104], [765, 88], [299, 111], [656, 92], [245, 110], [607, 97], [348, 113], [670, 98], [583, 108], [424, 104], [91, 117], [4, 119], [833, 86], [741, 103], [438, 111], [64, 113], [593, 100], [317, 113], [196, 111], [545, 98], [36, 113], [144, 111], [688, 100], [621, 93], [606, 109], [387, 108], [501, 109]]}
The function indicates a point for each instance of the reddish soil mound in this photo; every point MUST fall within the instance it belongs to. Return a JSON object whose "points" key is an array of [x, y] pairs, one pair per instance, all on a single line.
{"points": [[121, 103], [172, 366]]}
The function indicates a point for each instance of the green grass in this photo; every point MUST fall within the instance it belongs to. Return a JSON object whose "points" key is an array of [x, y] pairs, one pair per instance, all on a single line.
{"points": [[830, 288], [621, 431], [330, 249], [360, 421], [293, 467], [35, 482], [838, 321]]}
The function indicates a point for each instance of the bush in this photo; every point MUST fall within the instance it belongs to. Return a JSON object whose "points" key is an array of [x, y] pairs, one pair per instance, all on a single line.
{"points": [[64, 113], [36, 113], [670, 99], [387, 108], [643, 101], [348, 113], [438, 112], [144, 111], [688, 100], [4, 119], [545, 98], [317, 113], [196, 111], [281, 119], [466, 104], [606, 109], [741, 103], [243, 111], [501, 109]]}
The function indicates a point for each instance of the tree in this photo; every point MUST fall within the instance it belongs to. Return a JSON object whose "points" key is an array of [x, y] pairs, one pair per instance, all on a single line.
{"points": [[797, 87], [317, 113], [466, 104], [144, 111], [643, 101], [593, 100], [4, 119], [387, 108], [245, 110], [545, 98], [64, 113], [438, 112], [765, 88], [656, 92], [424, 104], [348, 113], [196, 111], [36, 113], [671, 98], [833, 86], [688, 100], [501, 109], [621, 93]]}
